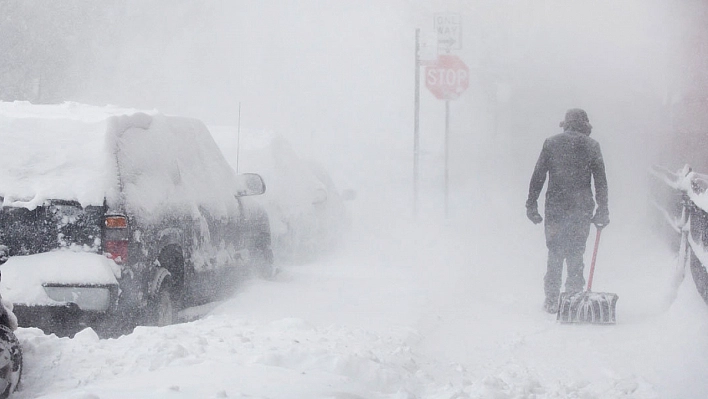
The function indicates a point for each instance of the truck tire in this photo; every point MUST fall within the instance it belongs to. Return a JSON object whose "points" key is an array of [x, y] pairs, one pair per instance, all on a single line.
{"points": [[11, 360], [161, 307], [166, 296], [262, 262], [700, 276]]}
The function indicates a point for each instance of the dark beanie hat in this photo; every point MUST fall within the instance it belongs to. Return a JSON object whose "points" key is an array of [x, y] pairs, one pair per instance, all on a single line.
{"points": [[576, 119]]}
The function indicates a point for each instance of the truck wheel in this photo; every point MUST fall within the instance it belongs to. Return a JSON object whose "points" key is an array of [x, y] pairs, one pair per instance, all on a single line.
{"points": [[11, 361], [262, 262], [161, 308], [700, 276]]}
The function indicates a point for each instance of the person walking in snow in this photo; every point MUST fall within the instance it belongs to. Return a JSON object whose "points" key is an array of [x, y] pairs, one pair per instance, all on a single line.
{"points": [[570, 159]]}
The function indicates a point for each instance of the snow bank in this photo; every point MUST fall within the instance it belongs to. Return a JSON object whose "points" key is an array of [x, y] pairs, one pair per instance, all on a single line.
{"points": [[343, 330], [285, 358]]}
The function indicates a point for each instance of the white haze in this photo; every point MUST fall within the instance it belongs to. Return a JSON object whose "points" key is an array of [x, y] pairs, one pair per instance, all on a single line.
{"points": [[336, 79]]}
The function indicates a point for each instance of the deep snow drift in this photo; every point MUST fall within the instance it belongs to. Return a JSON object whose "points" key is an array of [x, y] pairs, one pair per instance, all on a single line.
{"points": [[458, 316]]}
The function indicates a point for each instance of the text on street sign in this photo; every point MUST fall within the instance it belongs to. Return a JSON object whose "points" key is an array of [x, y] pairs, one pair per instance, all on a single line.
{"points": [[448, 77]]}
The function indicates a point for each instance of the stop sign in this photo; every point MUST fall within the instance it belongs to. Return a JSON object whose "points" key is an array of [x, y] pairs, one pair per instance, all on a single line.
{"points": [[447, 77]]}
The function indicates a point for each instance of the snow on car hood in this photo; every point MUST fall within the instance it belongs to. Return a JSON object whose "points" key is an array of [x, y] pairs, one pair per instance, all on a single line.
{"points": [[23, 276]]}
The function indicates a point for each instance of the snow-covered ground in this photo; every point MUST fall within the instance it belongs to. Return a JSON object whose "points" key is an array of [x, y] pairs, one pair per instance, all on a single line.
{"points": [[434, 309]]}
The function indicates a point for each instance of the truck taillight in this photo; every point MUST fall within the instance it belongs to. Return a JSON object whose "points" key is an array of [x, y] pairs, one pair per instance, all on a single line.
{"points": [[116, 222], [115, 239]]}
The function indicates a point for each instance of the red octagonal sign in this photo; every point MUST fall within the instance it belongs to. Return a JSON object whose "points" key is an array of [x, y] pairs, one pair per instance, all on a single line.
{"points": [[447, 77]]}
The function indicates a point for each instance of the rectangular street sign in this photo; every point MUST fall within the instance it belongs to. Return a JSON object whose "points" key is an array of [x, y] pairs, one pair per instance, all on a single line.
{"points": [[448, 27]]}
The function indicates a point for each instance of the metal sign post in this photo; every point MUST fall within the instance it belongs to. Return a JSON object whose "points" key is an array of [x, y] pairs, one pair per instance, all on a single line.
{"points": [[238, 138], [416, 124], [447, 78], [447, 153]]}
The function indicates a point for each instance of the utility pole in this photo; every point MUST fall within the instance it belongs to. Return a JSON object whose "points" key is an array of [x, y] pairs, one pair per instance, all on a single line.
{"points": [[447, 157], [238, 137], [416, 125]]}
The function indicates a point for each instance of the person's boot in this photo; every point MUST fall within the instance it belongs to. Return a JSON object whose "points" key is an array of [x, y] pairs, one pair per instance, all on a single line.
{"points": [[551, 305]]}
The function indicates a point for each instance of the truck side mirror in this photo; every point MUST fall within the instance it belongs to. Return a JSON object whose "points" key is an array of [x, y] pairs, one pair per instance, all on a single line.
{"points": [[348, 195], [249, 184]]}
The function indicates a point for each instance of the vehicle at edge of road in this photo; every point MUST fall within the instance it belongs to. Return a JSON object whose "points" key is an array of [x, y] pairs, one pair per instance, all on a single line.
{"points": [[10, 349], [681, 202], [309, 215], [166, 226]]}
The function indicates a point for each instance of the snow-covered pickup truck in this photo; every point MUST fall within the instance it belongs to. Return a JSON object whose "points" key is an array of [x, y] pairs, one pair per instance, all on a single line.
{"points": [[115, 217]]}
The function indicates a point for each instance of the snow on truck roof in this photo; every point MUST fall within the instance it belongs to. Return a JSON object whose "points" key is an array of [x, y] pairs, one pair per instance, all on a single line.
{"points": [[54, 151], [87, 153], [67, 110]]}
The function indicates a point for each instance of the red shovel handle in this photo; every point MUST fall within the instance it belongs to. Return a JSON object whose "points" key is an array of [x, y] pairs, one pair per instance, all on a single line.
{"points": [[594, 257]]}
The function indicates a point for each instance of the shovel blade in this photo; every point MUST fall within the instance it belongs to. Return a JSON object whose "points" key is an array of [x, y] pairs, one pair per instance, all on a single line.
{"points": [[587, 308]]}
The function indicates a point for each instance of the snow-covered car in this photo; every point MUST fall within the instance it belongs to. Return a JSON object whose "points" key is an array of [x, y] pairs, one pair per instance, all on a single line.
{"points": [[308, 214], [115, 217]]}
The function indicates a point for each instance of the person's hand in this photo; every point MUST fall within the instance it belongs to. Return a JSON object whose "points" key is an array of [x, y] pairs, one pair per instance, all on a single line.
{"points": [[533, 215], [601, 219]]}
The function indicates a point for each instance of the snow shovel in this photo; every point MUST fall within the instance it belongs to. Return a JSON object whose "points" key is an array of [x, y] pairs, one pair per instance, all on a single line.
{"points": [[588, 307]]}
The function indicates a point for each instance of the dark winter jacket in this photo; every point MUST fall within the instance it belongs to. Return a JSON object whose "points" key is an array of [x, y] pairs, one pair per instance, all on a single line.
{"points": [[570, 159]]}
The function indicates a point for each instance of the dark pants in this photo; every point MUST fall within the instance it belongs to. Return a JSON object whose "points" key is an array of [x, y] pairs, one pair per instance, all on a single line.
{"points": [[565, 239]]}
